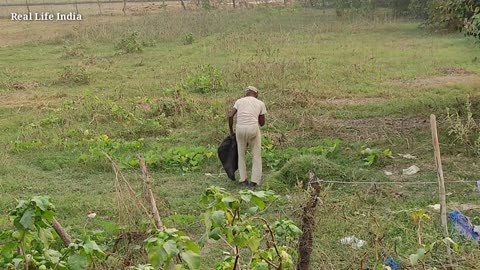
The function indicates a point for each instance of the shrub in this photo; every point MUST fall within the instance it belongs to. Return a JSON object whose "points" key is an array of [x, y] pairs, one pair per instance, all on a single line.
{"points": [[463, 128], [418, 9], [297, 170], [74, 74], [206, 80], [188, 39], [130, 44]]}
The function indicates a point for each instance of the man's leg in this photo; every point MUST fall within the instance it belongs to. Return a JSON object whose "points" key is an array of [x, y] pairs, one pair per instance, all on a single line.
{"points": [[256, 143], [241, 136]]}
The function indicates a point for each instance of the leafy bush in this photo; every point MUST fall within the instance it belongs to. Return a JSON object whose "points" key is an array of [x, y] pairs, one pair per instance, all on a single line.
{"points": [[130, 44], [459, 15], [206, 80], [463, 128], [419, 9], [374, 156], [71, 50], [236, 220], [74, 74], [297, 170], [188, 39], [32, 242]]}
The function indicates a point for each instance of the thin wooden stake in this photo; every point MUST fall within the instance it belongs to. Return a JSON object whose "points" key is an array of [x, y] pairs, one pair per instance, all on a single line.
{"points": [[441, 185], [61, 232], [149, 194], [305, 246]]}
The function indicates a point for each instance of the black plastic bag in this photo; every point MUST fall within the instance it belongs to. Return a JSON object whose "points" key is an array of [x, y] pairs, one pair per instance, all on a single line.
{"points": [[228, 155]]}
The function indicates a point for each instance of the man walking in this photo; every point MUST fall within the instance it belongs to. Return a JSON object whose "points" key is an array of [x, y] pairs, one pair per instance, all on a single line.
{"points": [[250, 113]]}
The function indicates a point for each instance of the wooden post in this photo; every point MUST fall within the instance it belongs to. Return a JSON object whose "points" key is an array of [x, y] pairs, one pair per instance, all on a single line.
{"points": [[61, 232], [441, 185], [149, 194], [305, 246]]}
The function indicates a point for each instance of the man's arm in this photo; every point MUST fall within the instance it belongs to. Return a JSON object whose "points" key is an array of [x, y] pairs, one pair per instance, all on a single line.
{"points": [[231, 114], [261, 120]]}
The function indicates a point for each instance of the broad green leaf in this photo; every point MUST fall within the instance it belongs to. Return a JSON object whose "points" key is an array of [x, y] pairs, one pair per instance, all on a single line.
{"points": [[260, 266], [295, 229], [77, 262], [27, 219], [229, 199], [190, 245], [41, 202], [171, 248], [9, 250], [53, 255], [258, 202], [218, 217], [246, 197], [215, 234], [192, 259], [252, 210]]}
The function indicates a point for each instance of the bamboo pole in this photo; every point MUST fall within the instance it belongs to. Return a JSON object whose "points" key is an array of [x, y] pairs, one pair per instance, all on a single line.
{"points": [[441, 185], [149, 194]]}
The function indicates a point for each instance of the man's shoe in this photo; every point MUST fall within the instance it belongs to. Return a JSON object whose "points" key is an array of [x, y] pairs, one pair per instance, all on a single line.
{"points": [[245, 183]]}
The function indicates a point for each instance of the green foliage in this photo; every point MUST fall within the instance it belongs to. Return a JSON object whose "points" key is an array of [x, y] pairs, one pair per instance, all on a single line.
{"points": [[71, 50], [130, 44], [164, 247], [374, 156], [234, 219], [183, 158], [32, 242], [275, 158], [188, 39], [74, 75], [419, 9], [296, 171], [463, 128], [461, 15], [205, 81]]}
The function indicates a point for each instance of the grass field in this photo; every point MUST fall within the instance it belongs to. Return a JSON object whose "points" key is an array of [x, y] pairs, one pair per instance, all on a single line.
{"points": [[370, 82]]}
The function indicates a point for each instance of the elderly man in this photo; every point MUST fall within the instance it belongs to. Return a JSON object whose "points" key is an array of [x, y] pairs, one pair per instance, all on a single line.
{"points": [[250, 113]]}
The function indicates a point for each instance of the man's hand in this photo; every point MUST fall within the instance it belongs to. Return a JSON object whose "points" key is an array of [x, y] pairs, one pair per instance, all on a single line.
{"points": [[261, 120]]}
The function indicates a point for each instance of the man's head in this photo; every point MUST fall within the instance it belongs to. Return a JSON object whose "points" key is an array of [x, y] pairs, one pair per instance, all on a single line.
{"points": [[251, 91]]}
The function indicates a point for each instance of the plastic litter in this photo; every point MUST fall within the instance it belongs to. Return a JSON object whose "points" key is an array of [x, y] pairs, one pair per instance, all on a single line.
{"points": [[407, 156], [353, 241], [410, 170], [435, 207], [394, 265], [387, 173], [463, 225]]}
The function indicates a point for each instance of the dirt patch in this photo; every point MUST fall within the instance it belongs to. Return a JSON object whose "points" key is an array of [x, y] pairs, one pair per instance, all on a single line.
{"points": [[23, 99], [452, 76], [24, 85], [370, 129], [340, 102]]}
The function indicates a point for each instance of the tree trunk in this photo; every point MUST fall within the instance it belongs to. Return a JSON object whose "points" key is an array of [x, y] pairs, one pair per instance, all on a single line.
{"points": [[183, 5], [234, 5], [99, 7], [124, 9], [28, 6]]}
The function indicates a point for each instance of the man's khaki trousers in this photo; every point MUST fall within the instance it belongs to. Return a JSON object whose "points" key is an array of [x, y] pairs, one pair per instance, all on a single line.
{"points": [[249, 135]]}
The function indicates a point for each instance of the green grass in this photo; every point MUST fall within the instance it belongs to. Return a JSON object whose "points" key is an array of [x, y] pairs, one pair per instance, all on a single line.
{"points": [[300, 60]]}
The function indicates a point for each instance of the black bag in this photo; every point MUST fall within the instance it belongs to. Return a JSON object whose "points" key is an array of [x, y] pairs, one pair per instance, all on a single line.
{"points": [[228, 155]]}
